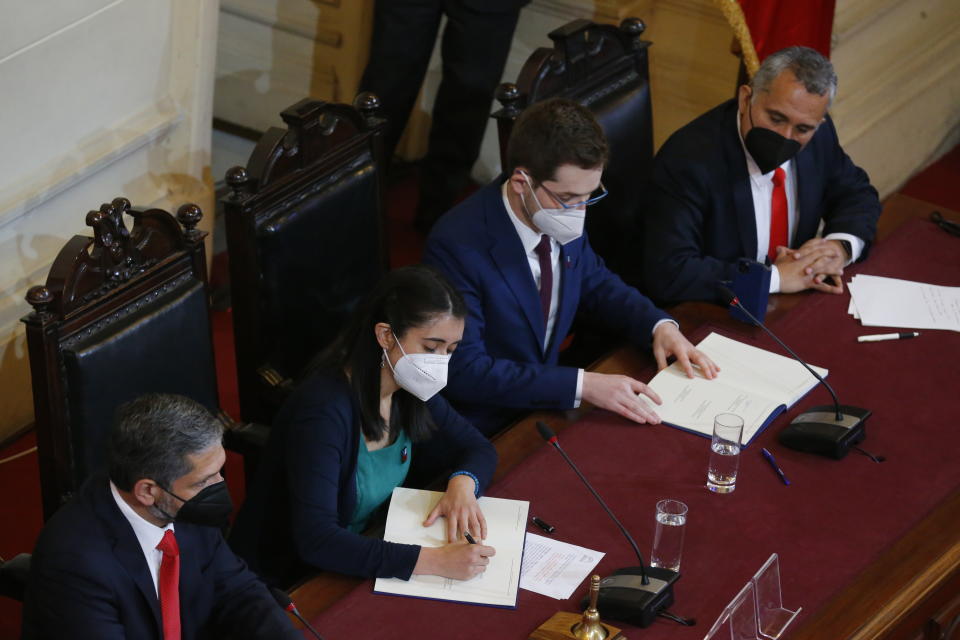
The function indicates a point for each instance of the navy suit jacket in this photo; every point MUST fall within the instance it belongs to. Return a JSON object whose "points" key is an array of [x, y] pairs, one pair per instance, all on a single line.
{"points": [[702, 215], [89, 579], [501, 365]]}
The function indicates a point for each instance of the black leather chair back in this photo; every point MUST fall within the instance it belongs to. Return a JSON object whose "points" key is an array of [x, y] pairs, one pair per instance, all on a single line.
{"points": [[606, 69], [122, 314], [306, 239]]}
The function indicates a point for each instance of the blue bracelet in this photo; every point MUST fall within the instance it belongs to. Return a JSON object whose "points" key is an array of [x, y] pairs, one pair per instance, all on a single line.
{"points": [[476, 483]]}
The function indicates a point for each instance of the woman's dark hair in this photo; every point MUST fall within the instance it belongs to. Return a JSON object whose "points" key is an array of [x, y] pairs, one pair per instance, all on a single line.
{"points": [[406, 297]]}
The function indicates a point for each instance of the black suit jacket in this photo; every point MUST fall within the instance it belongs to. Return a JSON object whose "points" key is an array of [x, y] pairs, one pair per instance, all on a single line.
{"points": [[702, 216], [89, 579]]}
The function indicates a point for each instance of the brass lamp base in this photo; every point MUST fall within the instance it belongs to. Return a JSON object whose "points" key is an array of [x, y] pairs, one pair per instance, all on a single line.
{"points": [[561, 624]]}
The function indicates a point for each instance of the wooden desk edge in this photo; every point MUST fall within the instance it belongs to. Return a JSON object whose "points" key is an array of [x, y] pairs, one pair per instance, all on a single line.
{"points": [[897, 585]]}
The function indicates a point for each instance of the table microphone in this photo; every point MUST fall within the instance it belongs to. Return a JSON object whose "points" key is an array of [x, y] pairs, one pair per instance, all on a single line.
{"points": [[287, 605], [824, 430], [635, 595]]}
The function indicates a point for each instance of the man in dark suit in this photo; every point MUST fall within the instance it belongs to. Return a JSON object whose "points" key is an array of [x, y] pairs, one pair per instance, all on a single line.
{"points": [[475, 44], [138, 554], [754, 178], [516, 251]]}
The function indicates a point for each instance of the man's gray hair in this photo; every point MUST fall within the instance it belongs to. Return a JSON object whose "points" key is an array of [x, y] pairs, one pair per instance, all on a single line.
{"points": [[153, 435], [809, 66]]}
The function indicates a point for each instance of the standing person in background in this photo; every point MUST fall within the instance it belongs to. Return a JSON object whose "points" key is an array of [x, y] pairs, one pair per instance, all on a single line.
{"points": [[474, 48]]}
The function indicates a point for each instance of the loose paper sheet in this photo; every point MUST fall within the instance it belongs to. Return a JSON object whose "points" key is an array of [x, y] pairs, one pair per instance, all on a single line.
{"points": [[891, 302], [554, 568]]}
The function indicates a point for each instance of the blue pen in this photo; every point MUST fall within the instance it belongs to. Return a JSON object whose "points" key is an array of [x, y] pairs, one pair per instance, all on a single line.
{"points": [[776, 467]]}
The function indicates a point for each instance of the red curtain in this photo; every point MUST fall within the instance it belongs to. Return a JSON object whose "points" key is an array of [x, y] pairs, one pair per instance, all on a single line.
{"points": [[775, 24]]}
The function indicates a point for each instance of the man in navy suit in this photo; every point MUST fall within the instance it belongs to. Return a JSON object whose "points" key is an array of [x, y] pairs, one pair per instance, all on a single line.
{"points": [[517, 253], [138, 554], [754, 178]]}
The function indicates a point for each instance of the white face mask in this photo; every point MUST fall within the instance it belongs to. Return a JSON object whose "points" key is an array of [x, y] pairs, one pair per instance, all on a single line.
{"points": [[422, 374], [563, 225]]}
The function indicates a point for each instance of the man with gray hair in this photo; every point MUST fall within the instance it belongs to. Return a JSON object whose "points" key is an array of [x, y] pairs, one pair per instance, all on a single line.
{"points": [[138, 554], [754, 178]]}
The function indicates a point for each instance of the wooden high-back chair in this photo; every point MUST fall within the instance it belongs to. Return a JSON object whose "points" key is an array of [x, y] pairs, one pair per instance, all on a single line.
{"points": [[306, 237]]}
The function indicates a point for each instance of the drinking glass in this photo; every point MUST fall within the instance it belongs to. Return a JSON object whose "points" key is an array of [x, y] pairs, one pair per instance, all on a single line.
{"points": [[668, 537], [724, 453]]}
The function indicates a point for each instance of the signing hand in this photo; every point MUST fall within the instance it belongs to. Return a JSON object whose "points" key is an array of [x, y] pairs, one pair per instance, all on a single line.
{"points": [[459, 506], [668, 341], [460, 561]]}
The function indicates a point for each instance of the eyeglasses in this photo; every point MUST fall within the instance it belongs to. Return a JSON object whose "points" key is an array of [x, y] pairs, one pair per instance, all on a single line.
{"points": [[599, 194]]}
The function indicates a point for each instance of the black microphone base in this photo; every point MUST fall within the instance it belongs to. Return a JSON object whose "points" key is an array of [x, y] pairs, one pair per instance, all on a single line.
{"points": [[624, 598], [817, 430]]}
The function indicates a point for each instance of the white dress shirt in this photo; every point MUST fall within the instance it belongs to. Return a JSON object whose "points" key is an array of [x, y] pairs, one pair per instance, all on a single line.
{"points": [[530, 239], [148, 535], [761, 186]]}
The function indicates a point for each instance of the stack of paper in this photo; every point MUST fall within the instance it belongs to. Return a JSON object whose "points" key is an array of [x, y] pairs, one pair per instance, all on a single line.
{"points": [[891, 302]]}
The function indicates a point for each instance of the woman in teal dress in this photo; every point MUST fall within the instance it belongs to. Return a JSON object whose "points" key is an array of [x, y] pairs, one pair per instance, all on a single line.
{"points": [[347, 436]]}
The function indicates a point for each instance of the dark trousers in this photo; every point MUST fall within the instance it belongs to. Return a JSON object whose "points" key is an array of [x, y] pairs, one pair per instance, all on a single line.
{"points": [[474, 50]]}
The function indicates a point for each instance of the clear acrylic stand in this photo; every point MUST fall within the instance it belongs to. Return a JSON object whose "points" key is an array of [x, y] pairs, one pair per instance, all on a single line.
{"points": [[772, 617], [756, 612]]}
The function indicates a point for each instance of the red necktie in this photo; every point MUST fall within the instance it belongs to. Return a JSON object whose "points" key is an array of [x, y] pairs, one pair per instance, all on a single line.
{"points": [[546, 276], [169, 586], [778, 215]]}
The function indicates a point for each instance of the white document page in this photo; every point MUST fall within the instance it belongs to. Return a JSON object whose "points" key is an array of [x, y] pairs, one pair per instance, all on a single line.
{"points": [[553, 568], [891, 302], [506, 527], [752, 383]]}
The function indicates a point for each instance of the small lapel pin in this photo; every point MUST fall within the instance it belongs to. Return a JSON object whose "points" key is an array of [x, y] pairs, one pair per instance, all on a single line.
{"points": [[404, 454]]}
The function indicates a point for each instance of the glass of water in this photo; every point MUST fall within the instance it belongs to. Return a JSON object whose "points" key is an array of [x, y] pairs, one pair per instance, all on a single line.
{"points": [[724, 453], [668, 538]]}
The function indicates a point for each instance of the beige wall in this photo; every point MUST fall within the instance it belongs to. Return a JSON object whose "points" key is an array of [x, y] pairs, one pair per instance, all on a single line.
{"points": [[102, 98]]}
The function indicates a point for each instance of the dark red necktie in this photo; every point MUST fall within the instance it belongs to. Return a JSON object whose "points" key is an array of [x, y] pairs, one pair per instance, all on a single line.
{"points": [[546, 276], [778, 215], [169, 586]]}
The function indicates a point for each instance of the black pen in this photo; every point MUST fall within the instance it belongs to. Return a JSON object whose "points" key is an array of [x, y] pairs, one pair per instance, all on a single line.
{"points": [[548, 528], [776, 467], [466, 534]]}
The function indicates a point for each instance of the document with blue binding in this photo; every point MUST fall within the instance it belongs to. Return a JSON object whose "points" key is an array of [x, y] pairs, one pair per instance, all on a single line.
{"points": [[506, 529], [753, 383]]}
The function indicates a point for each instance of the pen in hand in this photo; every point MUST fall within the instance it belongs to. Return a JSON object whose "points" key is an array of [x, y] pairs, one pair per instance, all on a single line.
{"points": [[466, 534], [773, 463]]}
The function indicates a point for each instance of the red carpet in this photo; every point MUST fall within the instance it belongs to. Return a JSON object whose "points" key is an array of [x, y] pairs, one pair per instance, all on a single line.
{"points": [[20, 478], [939, 183]]}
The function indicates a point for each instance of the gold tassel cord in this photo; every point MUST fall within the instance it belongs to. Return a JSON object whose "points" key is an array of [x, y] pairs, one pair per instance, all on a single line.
{"points": [[734, 14]]}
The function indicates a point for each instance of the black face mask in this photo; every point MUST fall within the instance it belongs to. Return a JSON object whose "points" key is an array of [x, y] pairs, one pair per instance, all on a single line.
{"points": [[768, 148], [209, 508]]}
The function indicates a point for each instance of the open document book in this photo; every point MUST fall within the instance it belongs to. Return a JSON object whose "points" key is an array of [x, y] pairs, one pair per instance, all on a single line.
{"points": [[506, 528], [755, 384]]}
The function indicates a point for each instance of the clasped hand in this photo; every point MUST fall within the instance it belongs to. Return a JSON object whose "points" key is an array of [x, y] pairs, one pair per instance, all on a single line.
{"points": [[817, 264]]}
